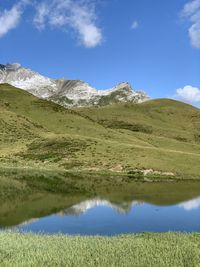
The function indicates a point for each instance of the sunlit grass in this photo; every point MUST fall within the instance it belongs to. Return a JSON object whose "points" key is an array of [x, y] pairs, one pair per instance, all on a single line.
{"points": [[141, 250], [161, 134]]}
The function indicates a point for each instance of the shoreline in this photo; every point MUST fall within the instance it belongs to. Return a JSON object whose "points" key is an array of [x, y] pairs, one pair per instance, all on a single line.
{"points": [[140, 175]]}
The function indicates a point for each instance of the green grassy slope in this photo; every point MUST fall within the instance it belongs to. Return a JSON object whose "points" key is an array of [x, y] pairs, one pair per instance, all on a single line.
{"points": [[160, 117], [157, 250], [160, 134], [169, 130], [49, 115]]}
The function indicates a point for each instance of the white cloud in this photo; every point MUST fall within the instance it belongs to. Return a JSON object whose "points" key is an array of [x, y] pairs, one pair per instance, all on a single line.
{"points": [[191, 11], [40, 17], [191, 7], [135, 25], [9, 19], [77, 15], [191, 204], [189, 94], [194, 33]]}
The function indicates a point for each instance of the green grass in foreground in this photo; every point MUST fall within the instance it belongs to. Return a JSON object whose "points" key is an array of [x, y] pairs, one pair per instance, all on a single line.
{"points": [[142, 250]]}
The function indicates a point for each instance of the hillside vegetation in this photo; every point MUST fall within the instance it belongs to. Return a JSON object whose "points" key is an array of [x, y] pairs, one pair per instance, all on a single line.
{"points": [[163, 135]]}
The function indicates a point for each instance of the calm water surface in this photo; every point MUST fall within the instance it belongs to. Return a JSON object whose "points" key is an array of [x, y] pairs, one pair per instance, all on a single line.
{"points": [[150, 208]]}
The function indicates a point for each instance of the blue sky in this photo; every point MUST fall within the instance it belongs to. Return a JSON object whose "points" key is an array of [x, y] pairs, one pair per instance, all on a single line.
{"points": [[154, 45]]}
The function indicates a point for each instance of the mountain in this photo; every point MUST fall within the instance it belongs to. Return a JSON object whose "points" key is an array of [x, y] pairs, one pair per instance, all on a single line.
{"points": [[156, 136], [28, 80], [68, 93]]}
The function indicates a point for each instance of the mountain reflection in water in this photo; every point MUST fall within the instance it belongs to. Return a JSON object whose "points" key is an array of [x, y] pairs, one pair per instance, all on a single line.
{"points": [[141, 208]]}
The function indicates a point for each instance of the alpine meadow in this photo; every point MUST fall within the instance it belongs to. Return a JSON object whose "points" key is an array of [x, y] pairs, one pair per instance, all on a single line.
{"points": [[96, 177]]}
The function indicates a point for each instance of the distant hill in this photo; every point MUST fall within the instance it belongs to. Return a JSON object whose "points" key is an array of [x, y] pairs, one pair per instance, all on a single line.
{"points": [[162, 135], [67, 93]]}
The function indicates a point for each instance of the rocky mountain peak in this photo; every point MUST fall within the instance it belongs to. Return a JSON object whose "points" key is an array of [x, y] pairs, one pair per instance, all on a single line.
{"points": [[123, 84], [10, 67], [68, 93]]}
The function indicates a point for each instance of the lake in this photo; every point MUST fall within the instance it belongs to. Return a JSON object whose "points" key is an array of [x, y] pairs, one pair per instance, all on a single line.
{"points": [[142, 207]]}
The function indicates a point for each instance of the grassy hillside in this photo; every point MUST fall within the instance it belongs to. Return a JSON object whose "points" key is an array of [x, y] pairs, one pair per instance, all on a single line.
{"points": [[163, 135], [158, 250], [161, 118]]}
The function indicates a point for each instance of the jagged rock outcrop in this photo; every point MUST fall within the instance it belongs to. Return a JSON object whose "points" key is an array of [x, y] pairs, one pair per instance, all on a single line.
{"points": [[68, 93]]}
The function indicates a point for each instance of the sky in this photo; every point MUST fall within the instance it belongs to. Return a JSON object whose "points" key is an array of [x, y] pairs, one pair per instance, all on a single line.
{"points": [[154, 45]]}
